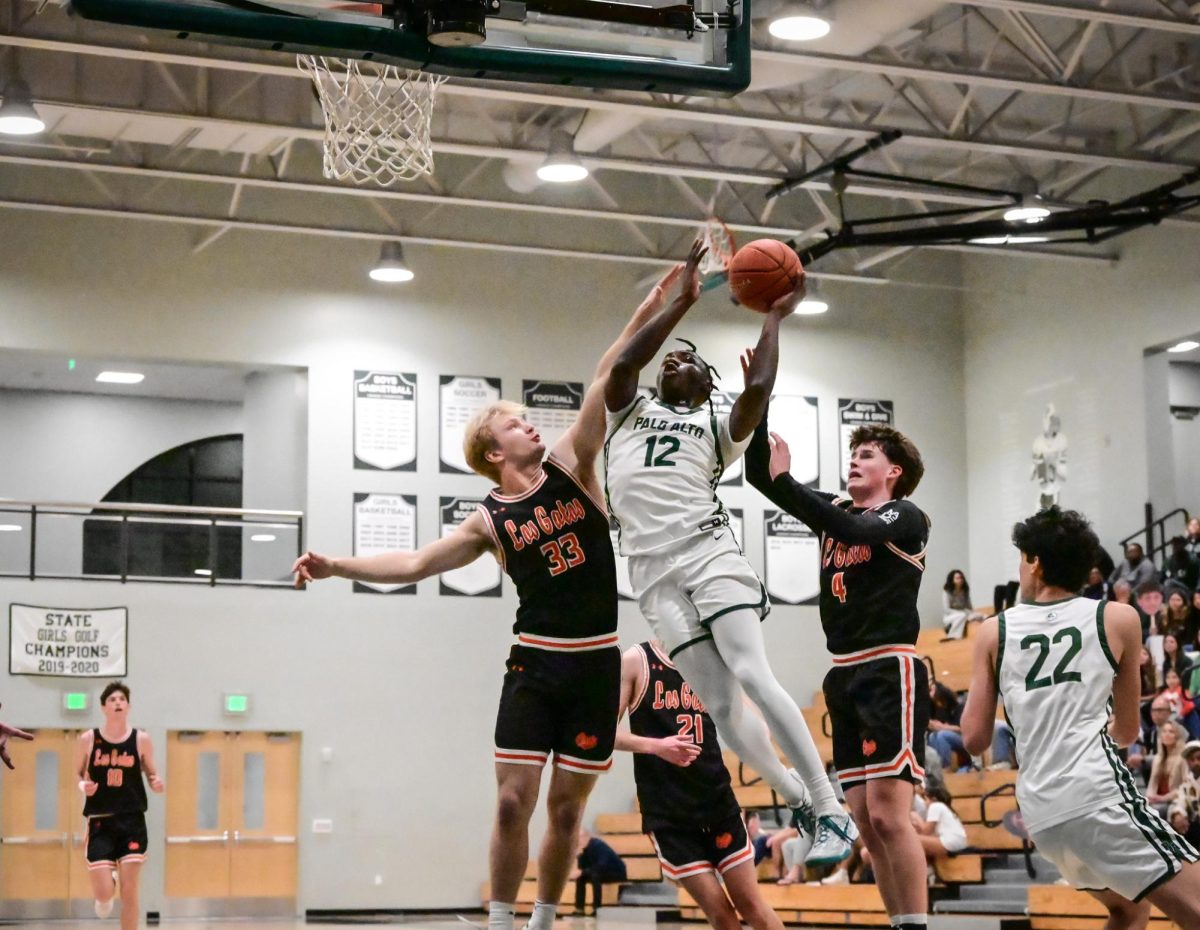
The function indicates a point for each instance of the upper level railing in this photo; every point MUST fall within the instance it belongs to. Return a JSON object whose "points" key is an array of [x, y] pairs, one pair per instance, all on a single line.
{"points": [[149, 542], [1153, 537]]}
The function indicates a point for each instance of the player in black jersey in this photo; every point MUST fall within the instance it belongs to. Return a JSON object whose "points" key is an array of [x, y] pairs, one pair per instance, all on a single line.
{"points": [[546, 525], [7, 733], [110, 761], [872, 560], [684, 793]]}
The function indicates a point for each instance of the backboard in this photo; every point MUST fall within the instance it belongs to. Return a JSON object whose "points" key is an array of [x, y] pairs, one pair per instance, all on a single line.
{"points": [[663, 46]]}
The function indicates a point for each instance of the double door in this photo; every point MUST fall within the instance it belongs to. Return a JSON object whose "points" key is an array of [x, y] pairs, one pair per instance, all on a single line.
{"points": [[42, 831], [232, 809]]}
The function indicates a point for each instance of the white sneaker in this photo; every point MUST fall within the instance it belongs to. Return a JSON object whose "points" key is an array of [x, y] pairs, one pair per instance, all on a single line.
{"points": [[840, 877], [834, 841], [104, 908]]}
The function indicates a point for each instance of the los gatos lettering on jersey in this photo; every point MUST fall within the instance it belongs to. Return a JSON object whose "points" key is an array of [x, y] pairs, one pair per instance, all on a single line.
{"points": [[122, 760], [676, 698], [842, 556], [544, 522]]}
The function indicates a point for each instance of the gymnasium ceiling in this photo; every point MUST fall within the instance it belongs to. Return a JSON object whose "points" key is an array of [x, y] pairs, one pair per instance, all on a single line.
{"points": [[1089, 100]]}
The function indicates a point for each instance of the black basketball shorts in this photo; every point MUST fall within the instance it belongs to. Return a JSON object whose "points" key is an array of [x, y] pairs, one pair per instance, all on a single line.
{"points": [[116, 838], [561, 704], [684, 851], [878, 702]]}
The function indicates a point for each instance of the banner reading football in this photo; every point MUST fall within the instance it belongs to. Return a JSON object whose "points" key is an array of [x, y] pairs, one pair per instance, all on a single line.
{"points": [[67, 642]]}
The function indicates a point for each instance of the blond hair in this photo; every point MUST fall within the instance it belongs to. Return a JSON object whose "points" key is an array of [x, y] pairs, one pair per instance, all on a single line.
{"points": [[479, 440]]}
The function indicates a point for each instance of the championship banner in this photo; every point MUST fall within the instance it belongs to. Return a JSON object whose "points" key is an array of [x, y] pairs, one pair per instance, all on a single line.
{"points": [[385, 420], [482, 577], [459, 398], [552, 407], [723, 402], [853, 413], [384, 523], [794, 417], [793, 560], [67, 642]]}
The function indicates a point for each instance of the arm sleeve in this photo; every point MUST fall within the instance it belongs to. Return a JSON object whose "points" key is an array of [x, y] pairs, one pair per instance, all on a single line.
{"points": [[731, 451], [897, 520]]}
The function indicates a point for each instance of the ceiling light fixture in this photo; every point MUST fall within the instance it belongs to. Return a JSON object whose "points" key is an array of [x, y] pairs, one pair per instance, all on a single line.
{"points": [[391, 267], [1009, 240], [1026, 212], [814, 302], [262, 537], [1186, 346], [10, 528], [798, 23], [562, 165], [18, 116], [205, 572], [120, 377]]}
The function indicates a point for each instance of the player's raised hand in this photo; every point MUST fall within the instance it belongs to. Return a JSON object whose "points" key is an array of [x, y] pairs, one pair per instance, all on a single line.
{"points": [[691, 270], [311, 567], [781, 456], [747, 359], [786, 305], [7, 733], [678, 750], [668, 281]]}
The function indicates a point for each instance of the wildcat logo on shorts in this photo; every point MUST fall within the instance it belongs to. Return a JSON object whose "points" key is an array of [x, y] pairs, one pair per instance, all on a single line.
{"points": [[585, 741], [869, 747], [723, 840], [134, 846]]}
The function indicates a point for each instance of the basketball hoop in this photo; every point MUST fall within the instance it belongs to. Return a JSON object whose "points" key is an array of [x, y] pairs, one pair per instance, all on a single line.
{"points": [[721, 246], [377, 119]]}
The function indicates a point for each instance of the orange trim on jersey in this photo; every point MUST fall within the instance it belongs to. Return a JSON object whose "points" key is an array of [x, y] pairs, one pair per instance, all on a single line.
{"points": [[587, 766], [918, 560], [662, 656], [101, 864], [906, 755], [521, 757], [487, 519], [742, 855], [495, 492], [676, 872], [563, 644], [875, 652], [645, 683], [578, 483]]}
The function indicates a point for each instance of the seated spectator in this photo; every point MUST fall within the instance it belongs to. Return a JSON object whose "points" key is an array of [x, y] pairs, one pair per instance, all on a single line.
{"points": [[1182, 823], [1136, 569], [957, 611], [1180, 569], [1097, 588], [1191, 787], [1004, 747], [1174, 658], [1168, 770], [1183, 708], [759, 838], [1181, 619], [945, 734], [940, 831], [597, 864], [1150, 606], [1142, 753], [1192, 541], [790, 852], [1150, 676], [1122, 592], [1005, 595]]}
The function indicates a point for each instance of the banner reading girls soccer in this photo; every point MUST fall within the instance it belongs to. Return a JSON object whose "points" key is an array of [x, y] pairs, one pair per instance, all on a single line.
{"points": [[853, 413], [68, 642], [459, 397]]}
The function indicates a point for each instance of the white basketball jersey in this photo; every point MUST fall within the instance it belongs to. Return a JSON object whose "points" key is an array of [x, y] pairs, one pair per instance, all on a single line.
{"points": [[1055, 673], [662, 465]]}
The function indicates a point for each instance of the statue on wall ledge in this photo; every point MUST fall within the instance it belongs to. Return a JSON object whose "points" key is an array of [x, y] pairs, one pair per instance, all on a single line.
{"points": [[1049, 459]]}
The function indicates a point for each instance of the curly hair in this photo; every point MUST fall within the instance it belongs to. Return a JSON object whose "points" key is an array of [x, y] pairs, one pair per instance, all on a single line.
{"points": [[1063, 541], [898, 449]]}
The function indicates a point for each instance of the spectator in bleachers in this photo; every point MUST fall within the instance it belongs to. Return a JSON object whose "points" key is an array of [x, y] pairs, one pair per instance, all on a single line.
{"points": [[1168, 770], [596, 864], [1135, 568], [945, 733], [1151, 679], [1192, 540], [1191, 784], [941, 832], [1174, 658], [957, 610], [1183, 708], [1097, 588], [1142, 753], [1182, 823], [1181, 568], [788, 852], [760, 839], [1004, 747], [1181, 619], [1150, 605]]}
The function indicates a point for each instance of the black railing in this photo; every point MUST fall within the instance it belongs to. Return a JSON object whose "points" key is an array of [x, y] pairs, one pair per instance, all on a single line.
{"points": [[149, 542], [1153, 537]]}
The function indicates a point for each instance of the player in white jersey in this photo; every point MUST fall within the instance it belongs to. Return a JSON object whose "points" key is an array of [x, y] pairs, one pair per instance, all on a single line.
{"points": [[663, 459], [1063, 664]]}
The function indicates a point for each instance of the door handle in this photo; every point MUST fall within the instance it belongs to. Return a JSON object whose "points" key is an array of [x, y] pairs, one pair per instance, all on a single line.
{"points": [[197, 840], [277, 840], [34, 840]]}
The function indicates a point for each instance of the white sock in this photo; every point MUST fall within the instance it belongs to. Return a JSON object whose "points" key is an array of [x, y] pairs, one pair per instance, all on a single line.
{"points": [[902, 920], [543, 916], [500, 915]]}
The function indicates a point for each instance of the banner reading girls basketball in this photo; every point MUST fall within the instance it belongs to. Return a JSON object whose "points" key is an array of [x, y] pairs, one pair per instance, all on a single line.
{"points": [[67, 642]]}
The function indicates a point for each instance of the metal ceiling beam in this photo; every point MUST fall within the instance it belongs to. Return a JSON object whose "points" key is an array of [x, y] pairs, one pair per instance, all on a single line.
{"points": [[683, 113], [1090, 13]]}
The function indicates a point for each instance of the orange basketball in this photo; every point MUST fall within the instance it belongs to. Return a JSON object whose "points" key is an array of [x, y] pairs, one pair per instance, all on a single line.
{"points": [[761, 272]]}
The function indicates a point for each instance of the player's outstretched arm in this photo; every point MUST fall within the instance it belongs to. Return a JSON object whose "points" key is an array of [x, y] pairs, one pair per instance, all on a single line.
{"points": [[146, 751], [7, 733], [979, 716], [760, 365], [636, 354], [674, 749], [1123, 633], [469, 541]]}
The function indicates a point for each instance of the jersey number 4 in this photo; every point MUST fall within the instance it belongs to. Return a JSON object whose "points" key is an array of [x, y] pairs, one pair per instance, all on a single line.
{"points": [[1062, 672], [838, 586], [563, 553], [667, 446]]}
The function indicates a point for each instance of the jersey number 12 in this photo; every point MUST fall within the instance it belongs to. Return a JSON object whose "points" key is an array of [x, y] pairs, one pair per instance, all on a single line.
{"points": [[667, 446]]}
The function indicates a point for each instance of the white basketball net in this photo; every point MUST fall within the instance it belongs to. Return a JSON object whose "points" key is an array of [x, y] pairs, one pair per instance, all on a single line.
{"points": [[721, 247], [377, 119]]}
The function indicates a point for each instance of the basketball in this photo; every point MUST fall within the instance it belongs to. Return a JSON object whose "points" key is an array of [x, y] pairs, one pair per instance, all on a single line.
{"points": [[761, 272]]}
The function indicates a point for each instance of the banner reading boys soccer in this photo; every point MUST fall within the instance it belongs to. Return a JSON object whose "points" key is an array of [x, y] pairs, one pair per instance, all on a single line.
{"points": [[459, 397], [793, 573], [385, 420], [68, 642], [853, 413], [482, 577], [384, 523], [552, 407]]}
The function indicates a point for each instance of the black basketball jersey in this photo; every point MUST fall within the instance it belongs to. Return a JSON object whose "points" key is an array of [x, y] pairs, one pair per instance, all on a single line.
{"points": [[668, 795], [554, 543], [117, 769]]}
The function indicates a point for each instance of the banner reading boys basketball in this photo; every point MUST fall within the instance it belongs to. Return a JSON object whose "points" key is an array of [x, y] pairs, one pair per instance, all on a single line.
{"points": [[853, 413], [793, 573], [385, 420], [552, 407], [459, 398], [482, 577], [68, 642], [384, 523]]}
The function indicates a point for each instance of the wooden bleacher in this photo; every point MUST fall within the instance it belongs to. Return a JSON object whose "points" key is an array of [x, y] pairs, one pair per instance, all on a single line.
{"points": [[823, 905], [1057, 907]]}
